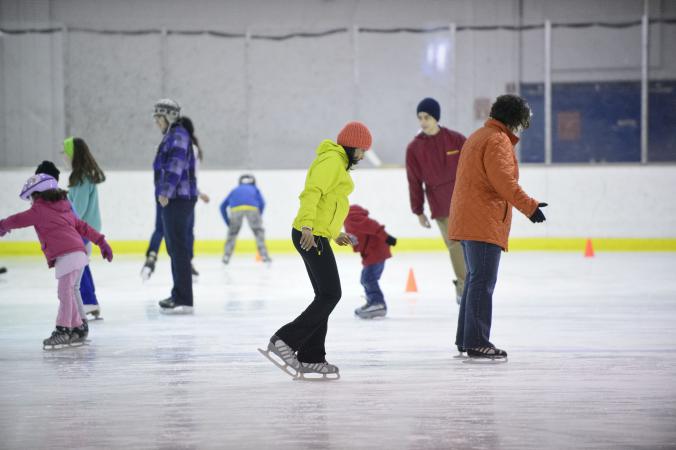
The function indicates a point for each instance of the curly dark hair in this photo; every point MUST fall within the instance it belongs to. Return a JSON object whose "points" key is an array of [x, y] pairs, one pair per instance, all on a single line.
{"points": [[51, 195], [511, 110]]}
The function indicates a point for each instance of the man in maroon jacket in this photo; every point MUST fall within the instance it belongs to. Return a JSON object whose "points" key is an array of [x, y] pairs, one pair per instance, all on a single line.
{"points": [[431, 162]]}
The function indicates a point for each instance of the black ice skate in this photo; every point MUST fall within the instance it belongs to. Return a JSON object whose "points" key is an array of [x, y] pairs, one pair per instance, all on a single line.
{"points": [[78, 335], [485, 355], [169, 306], [149, 266], [3, 270], [59, 339], [284, 356], [322, 371]]}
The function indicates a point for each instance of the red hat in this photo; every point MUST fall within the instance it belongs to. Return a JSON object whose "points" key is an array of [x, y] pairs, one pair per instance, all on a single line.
{"points": [[355, 135]]}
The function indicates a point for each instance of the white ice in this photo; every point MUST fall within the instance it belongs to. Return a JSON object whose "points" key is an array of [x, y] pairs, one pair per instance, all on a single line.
{"points": [[591, 342]]}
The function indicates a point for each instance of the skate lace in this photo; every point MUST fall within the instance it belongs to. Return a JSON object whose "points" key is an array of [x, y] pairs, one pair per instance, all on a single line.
{"points": [[287, 354], [59, 337], [322, 367]]}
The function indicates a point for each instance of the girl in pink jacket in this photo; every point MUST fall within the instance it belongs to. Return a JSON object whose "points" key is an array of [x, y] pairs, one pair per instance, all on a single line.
{"points": [[60, 233]]}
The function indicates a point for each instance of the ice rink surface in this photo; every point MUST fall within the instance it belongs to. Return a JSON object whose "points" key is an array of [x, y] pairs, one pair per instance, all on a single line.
{"points": [[591, 342]]}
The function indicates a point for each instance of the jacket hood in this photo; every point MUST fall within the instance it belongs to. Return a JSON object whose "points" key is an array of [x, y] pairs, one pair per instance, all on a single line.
{"points": [[61, 206], [329, 148], [357, 211]]}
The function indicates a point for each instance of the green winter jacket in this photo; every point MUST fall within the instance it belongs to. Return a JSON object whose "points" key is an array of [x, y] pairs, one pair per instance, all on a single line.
{"points": [[323, 202]]}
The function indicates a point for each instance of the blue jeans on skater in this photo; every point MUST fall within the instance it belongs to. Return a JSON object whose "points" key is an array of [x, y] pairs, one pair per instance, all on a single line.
{"points": [[370, 276], [177, 220], [476, 307], [158, 232]]}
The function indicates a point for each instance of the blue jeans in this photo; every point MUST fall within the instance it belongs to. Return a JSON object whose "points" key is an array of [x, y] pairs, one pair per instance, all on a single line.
{"points": [[370, 275], [178, 218], [158, 232], [476, 307]]}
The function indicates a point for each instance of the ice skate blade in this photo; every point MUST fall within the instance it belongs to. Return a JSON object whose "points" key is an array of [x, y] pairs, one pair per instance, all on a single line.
{"points": [[371, 316], [483, 361], [460, 356], [287, 369], [56, 348], [177, 311], [321, 377]]}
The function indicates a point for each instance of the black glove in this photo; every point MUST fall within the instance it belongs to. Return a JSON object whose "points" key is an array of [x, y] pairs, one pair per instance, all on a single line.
{"points": [[391, 240], [538, 216]]}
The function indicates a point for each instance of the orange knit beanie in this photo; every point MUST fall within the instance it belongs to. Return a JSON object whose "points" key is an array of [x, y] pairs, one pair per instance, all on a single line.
{"points": [[355, 135]]}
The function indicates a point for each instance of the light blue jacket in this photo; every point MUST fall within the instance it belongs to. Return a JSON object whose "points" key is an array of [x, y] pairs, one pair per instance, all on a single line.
{"points": [[85, 200]]}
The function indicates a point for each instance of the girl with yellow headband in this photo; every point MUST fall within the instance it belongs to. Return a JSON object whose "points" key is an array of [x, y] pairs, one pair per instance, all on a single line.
{"points": [[83, 194]]}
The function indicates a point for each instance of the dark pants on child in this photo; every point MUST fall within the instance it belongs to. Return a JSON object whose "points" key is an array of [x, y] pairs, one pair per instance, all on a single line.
{"points": [[476, 307], [177, 220], [158, 232], [370, 276], [307, 333]]}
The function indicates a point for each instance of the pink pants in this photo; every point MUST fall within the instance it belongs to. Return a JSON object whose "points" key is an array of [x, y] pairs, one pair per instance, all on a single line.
{"points": [[69, 308]]}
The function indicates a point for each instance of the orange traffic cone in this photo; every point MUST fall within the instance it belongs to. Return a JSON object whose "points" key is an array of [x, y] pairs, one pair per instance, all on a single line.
{"points": [[589, 249], [411, 286], [258, 257]]}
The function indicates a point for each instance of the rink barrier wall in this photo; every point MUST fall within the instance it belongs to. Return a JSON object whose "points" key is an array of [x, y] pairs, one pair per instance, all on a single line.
{"points": [[282, 246]]}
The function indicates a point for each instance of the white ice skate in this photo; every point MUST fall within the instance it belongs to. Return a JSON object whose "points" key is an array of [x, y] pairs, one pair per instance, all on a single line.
{"points": [[284, 356], [94, 311], [462, 353], [371, 311], [149, 266], [322, 371], [485, 355]]}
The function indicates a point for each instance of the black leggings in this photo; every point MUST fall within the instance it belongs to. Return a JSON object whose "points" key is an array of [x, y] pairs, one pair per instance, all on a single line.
{"points": [[307, 332]]}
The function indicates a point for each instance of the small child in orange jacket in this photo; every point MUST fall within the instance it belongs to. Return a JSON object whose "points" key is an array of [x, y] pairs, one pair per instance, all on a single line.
{"points": [[373, 243]]}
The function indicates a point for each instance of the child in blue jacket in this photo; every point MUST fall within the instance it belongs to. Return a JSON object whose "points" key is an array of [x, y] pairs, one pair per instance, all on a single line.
{"points": [[245, 201]]}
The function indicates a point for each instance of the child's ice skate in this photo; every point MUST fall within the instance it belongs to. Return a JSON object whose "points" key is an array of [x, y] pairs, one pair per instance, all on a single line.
{"points": [[78, 335], [3, 270], [322, 371], [59, 339], [149, 266], [285, 356], [371, 311], [485, 355]]}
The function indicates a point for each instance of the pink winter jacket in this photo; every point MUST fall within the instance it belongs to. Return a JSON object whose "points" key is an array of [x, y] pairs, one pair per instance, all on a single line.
{"points": [[58, 230]]}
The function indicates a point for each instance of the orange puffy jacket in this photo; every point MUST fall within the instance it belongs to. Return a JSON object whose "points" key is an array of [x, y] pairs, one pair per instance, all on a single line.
{"points": [[487, 186]]}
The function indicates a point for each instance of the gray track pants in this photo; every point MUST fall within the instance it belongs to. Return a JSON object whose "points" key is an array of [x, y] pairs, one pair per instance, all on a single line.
{"points": [[256, 224]]}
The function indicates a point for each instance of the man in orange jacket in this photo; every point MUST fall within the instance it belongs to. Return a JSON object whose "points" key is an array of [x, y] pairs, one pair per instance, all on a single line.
{"points": [[431, 164], [486, 188]]}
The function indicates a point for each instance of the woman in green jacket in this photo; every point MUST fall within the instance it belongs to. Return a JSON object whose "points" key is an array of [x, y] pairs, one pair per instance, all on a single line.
{"points": [[323, 208]]}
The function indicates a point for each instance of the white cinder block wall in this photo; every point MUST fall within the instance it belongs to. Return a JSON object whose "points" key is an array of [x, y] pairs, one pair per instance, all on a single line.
{"points": [[585, 201]]}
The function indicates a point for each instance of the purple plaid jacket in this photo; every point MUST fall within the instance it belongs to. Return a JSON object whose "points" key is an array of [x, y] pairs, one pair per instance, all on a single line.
{"points": [[174, 165]]}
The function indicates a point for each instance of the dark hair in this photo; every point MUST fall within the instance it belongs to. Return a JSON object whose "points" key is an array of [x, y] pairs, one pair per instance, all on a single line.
{"points": [[48, 168], [84, 165], [50, 195], [186, 122], [511, 110], [350, 157]]}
